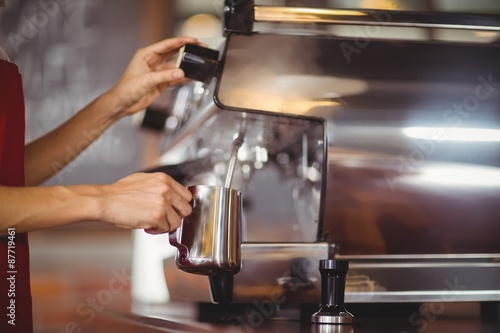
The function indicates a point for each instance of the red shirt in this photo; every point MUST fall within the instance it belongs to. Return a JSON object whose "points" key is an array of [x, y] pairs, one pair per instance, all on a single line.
{"points": [[15, 294]]}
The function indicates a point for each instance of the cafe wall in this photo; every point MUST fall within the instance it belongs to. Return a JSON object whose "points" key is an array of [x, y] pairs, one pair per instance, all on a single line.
{"points": [[69, 52]]}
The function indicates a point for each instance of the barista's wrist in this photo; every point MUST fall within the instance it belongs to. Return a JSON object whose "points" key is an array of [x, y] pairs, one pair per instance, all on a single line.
{"points": [[85, 200], [110, 107]]}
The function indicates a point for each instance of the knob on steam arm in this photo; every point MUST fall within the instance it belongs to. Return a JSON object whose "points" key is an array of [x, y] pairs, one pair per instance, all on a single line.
{"points": [[332, 311], [198, 63]]}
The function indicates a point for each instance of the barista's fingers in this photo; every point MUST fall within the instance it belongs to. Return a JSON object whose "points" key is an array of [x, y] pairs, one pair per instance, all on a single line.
{"points": [[166, 65], [176, 198], [181, 206], [167, 85], [183, 192], [167, 77], [160, 228], [171, 66], [157, 53], [170, 188], [167, 47], [173, 218], [155, 231]]}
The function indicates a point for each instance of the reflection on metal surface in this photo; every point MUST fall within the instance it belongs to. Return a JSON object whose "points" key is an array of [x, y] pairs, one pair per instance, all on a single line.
{"points": [[453, 134], [294, 94], [302, 15], [436, 20], [173, 323], [325, 328], [425, 278], [443, 295], [280, 272], [361, 283], [456, 176], [288, 272]]}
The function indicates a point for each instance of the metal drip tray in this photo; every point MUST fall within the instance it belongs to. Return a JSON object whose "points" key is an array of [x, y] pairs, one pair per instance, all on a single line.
{"points": [[423, 278]]}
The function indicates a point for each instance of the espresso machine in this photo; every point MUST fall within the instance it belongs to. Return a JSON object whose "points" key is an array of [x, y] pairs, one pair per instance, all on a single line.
{"points": [[340, 139]]}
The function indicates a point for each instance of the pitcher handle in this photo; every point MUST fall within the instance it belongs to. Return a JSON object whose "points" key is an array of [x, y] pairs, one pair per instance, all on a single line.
{"points": [[173, 238]]}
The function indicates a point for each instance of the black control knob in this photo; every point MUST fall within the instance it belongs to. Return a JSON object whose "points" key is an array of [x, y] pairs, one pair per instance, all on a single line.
{"points": [[332, 311], [198, 63]]}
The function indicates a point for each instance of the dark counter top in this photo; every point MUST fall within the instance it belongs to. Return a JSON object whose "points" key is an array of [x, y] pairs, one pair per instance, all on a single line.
{"points": [[181, 319]]}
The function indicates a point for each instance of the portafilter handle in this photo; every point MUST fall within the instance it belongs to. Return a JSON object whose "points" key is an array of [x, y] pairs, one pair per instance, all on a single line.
{"points": [[198, 63], [332, 311]]}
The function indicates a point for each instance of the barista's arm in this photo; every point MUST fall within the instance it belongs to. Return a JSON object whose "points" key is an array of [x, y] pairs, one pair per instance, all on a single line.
{"points": [[148, 73], [154, 202]]}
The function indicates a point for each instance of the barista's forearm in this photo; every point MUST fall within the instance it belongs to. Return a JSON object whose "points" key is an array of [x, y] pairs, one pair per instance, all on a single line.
{"points": [[54, 151], [31, 208]]}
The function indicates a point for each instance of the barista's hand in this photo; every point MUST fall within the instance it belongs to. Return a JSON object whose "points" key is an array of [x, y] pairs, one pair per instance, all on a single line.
{"points": [[150, 71], [151, 201]]}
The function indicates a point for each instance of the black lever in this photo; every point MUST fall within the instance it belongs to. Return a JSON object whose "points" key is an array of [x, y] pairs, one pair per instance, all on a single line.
{"points": [[332, 311], [239, 16]]}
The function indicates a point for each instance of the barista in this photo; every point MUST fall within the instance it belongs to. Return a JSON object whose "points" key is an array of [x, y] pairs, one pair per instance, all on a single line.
{"points": [[154, 202]]}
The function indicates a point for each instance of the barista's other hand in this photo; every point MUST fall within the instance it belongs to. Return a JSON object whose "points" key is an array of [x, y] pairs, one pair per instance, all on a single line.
{"points": [[150, 71], [151, 201]]}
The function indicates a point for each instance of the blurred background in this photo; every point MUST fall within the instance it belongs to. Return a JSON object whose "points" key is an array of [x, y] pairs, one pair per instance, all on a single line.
{"points": [[69, 52]]}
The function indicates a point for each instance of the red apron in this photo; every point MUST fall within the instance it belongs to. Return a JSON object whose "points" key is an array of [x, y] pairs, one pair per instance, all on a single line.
{"points": [[15, 294]]}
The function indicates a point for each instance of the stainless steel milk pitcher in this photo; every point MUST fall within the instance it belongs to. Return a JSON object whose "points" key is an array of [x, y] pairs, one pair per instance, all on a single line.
{"points": [[209, 239]]}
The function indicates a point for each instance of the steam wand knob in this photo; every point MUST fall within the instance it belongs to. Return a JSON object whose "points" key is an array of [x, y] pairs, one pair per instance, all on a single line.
{"points": [[332, 311]]}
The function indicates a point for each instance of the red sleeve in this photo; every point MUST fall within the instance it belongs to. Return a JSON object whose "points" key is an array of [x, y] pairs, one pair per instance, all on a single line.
{"points": [[15, 294]]}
